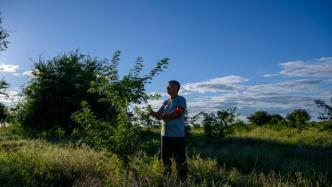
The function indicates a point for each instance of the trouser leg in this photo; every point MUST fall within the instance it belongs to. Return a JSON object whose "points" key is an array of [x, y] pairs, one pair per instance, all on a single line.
{"points": [[180, 158], [166, 155]]}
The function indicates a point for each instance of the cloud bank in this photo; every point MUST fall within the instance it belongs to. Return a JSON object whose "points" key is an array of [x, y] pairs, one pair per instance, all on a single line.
{"points": [[8, 68], [319, 68], [219, 84]]}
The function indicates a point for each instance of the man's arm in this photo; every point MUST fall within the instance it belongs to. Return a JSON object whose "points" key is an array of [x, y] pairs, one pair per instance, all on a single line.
{"points": [[158, 113], [174, 114]]}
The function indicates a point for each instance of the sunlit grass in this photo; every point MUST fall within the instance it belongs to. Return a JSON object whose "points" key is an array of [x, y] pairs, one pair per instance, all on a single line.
{"points": [[257, 157], [313, 136]]}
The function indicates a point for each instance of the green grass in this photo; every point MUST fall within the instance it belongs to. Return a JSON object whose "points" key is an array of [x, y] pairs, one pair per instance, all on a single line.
{"points": [[256, 156], [311, 136]]}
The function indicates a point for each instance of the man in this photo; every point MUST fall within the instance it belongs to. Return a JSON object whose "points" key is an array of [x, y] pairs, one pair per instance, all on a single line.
{"points": [[173, 131]]}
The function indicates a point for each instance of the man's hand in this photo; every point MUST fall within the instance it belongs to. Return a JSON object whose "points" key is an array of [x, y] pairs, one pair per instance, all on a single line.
{"points": [[164, 116], [172, 115], [157, 115]]}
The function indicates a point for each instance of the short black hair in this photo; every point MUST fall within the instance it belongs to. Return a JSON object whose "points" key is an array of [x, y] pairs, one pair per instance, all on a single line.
{"points": [[175, 82]]}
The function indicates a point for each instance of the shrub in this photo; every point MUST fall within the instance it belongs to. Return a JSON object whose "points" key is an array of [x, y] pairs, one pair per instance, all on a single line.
{"points": [[298, 118], [118, 135], [259, 118], [56, 90]]}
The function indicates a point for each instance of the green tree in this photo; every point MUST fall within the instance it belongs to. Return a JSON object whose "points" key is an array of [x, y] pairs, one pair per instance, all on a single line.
{"points": [[3, 37], [298, 118], [187, 126], [209, 120], [216, 124], [3, 45], [141, 114], [194, 120], [121, 139], [327, 113], [259, 118], [142, 117], [225, 118], [119, 136], [3, 86], [56, 90], [276, 119], [3, 114]]}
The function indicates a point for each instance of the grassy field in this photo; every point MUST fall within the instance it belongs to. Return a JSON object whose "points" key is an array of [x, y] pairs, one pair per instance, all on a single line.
{"points": [[255, 156]]}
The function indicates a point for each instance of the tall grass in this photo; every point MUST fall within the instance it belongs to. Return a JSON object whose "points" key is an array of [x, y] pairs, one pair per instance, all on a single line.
{"points": [[310, 136], [260, 156]]}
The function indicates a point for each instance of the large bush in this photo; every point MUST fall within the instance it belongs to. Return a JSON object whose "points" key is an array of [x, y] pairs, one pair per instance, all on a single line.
{"points": [[276, 119], [118, 136], [216, 124], [56, 90], [259, 118], [84, 97], [298, 118]]}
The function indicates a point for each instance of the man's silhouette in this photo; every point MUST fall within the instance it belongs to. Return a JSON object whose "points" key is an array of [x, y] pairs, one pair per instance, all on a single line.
{"points": [[172, 112]]}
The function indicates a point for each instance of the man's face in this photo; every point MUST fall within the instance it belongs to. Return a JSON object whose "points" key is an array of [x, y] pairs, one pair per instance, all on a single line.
{"points": [[172, 89]]}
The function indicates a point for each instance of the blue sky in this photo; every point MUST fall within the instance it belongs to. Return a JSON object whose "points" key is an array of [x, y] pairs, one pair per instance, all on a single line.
{"points": [[253, 54]]}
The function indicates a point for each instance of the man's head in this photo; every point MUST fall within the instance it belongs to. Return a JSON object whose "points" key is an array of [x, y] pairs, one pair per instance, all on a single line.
{"points": [[173, 88]]}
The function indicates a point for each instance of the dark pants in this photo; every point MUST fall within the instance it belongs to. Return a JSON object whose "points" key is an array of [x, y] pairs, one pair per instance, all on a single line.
{"points": [[174, 147]]}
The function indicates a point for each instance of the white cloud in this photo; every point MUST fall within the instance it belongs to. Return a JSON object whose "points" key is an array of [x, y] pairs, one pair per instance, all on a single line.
{"points": [[25, 73], [274, 101], [302, 86], [249, 103], [11, 99], [156, 104], [162, 94], [28, 73], [7, 68], [221, 84], [206, 104], [17, 74], [280, 97], [227, 92], [321, 67], [270, 75]]}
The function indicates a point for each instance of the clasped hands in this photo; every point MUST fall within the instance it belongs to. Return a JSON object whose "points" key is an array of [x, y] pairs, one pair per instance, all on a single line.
{"points": [[157, 115]]}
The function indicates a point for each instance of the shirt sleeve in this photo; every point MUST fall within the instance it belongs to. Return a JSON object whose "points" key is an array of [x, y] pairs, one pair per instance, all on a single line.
{"points": [[181, 102]]}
